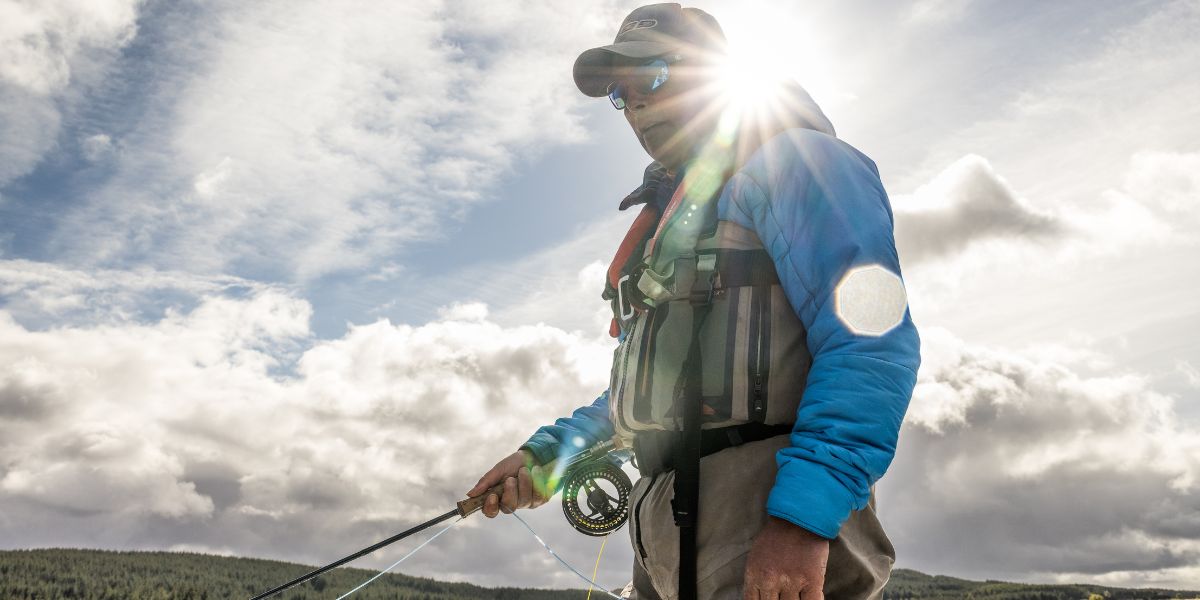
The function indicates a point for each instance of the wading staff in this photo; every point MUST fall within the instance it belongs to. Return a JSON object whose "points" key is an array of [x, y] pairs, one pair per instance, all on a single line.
{"points": [[463, 509]]}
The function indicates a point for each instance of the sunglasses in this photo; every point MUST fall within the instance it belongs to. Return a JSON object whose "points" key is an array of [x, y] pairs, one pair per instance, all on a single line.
{"points": [[646, 79]]}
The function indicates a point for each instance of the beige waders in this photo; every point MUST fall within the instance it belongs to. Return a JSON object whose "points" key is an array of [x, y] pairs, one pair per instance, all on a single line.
{"points": [[734, 485]]}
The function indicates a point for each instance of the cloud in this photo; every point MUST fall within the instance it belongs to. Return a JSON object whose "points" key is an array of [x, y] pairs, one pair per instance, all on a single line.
{"points": [[967, 229], [969, 211], [1070, 119], [45, 49], [307, 138], [1011, 466], [965, 203], [41, 294], [227, 426], [97, 147]]}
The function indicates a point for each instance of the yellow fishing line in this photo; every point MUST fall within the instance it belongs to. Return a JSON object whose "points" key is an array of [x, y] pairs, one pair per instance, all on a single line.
{"points": [[596, 569]]}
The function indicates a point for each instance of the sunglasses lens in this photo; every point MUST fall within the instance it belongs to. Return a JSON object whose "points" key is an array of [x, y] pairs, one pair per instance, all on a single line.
{"points": [[616, 95], [646, 79], [661, 74]]}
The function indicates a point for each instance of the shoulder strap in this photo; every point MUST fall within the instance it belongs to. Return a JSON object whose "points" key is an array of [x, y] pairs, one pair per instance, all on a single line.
{"points": [[633, 246], [685, 503]]}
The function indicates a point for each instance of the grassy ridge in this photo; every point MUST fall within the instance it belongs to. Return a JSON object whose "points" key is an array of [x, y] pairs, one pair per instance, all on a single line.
{"points": [[105, 575]]}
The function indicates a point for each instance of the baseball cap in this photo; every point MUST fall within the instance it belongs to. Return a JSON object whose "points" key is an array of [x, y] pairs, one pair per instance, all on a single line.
{"points": [[649, 31]]}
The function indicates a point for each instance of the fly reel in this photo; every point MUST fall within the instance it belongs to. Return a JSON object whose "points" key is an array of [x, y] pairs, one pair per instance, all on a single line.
{"points": [[595, 497]]}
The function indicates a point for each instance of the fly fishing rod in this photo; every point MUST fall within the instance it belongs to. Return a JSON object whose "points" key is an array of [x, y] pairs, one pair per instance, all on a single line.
{"points": [[590, 507], [463, 509]]}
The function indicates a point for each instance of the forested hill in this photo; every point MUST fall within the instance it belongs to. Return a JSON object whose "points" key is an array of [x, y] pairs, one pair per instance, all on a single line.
{"points": [[913, 585], [104, 575]]}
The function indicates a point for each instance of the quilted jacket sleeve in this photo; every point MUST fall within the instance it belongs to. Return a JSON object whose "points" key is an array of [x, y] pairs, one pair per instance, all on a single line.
{"points": [[821, 211], [586, 426]]}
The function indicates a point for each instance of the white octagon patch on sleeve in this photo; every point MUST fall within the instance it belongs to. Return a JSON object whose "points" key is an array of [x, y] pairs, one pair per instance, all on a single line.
{"points": [[870, 300]]}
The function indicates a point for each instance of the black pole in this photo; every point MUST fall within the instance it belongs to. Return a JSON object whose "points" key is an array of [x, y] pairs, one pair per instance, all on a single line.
{"points": [[360, 553]]}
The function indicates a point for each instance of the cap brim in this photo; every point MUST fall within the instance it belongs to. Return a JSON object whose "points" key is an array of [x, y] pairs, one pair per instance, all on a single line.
{"points": [[594, 68]]}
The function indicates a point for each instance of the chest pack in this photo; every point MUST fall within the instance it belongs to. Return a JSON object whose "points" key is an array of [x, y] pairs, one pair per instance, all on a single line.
{"points": [[687, 274]]}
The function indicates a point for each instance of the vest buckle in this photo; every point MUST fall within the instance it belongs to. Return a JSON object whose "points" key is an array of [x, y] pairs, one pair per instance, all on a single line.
{"points": [[706, 280]]}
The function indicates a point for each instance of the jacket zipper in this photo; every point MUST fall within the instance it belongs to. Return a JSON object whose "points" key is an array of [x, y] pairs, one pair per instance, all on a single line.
{"points": [[758, 358]]}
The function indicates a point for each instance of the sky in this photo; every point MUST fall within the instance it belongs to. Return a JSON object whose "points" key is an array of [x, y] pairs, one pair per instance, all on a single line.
{"points": [[280, 279]]}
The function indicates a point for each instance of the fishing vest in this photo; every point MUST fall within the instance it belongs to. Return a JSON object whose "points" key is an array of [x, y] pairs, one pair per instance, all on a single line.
{"points": [[754, 359]]}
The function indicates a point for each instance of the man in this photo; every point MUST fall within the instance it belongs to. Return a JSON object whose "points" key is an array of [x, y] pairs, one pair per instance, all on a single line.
{"points": [[758, 291]]}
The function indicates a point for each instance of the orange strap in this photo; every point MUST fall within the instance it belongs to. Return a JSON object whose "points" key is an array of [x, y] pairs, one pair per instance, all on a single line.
{"points": [[633, 238], [676, 199], [641, 227]]}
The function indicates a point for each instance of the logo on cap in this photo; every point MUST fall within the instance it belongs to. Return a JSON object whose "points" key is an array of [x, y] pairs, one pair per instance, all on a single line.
{"points": [[642, 24]]}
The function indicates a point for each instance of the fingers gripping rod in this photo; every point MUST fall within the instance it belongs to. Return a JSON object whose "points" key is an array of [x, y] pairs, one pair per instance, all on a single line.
{"points": [[463, 509]]}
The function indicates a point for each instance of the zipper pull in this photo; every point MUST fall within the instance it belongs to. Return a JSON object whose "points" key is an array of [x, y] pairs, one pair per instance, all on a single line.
{"points": [[758, 405]]}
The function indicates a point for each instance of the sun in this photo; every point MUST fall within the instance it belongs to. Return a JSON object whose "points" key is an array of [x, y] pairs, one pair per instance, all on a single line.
{"points": [[747, 82], [765, 56]]}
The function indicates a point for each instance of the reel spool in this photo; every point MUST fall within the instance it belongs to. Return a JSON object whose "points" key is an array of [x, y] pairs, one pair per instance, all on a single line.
{"points": [[595, 498]]}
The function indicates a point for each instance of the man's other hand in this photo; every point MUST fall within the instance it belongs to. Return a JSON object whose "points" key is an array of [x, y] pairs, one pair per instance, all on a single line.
{"points": [[524, 485], [786, 562]]}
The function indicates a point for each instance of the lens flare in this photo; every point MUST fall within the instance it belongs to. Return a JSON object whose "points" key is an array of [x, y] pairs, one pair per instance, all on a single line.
{"points": [[749, 84], [870, 300]]}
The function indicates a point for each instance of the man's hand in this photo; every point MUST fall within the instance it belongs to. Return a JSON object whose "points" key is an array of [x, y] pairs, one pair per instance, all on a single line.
{"points": [[524, 485], [787, 562]]}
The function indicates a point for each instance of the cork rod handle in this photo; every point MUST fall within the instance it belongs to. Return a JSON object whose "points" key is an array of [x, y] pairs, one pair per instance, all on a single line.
{"points": [[470, 505]]}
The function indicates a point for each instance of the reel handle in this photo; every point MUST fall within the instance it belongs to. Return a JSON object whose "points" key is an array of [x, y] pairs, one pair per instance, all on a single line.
{"points": [[471, 505]]}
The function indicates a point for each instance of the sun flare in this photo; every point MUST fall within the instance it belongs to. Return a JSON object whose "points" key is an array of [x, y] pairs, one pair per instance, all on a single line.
{"points": [[766, 56]]}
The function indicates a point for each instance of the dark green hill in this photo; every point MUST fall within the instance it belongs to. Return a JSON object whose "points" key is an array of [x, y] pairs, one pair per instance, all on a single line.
{"points": [[906, 584], [104, 575]]}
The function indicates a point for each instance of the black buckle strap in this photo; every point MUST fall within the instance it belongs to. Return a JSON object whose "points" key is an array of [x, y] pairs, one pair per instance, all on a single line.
{"points": [[702, 293], [655, 449]]}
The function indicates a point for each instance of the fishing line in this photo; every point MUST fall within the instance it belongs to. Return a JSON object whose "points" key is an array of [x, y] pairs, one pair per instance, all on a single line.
{"points": [[591, 508], [402, 559], [596, 569], [590, 581], [559, 558]]}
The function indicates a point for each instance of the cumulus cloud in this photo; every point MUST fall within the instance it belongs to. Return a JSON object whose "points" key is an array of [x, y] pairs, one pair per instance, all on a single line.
{"points": [[226, 426], [307, 138], [965, 203], [1015, 467], [966, 230], [45, 48]]}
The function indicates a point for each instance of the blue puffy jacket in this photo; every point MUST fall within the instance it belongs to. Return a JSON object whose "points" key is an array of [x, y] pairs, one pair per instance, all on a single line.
{"points": [[820, 209]]}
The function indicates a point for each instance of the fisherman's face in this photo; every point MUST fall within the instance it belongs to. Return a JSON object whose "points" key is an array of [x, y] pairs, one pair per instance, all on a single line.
{"points": [[673, 121]]}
